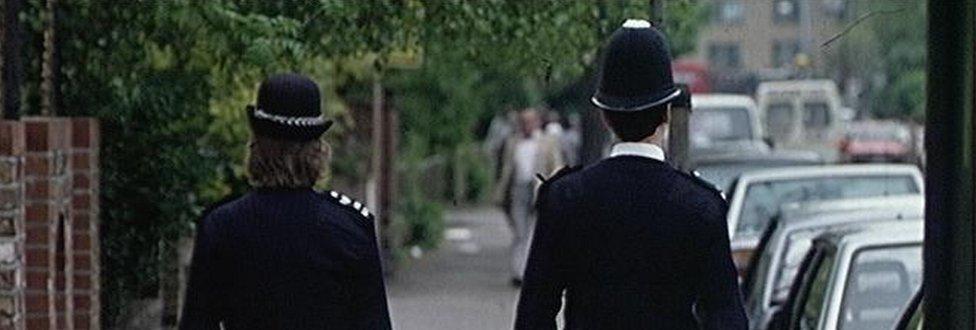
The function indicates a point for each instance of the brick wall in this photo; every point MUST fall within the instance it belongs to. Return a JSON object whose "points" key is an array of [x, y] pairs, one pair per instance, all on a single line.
{"points": [[84, 168], [48, 201], [12, 210], [50, 197]]}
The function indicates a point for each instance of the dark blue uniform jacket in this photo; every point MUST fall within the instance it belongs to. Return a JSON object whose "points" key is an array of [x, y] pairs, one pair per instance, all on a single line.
{"points": [[633, 244], [286, 259]]}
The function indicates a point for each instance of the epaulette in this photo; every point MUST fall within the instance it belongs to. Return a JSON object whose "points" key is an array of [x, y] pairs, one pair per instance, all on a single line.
{"points": [[349, 203], [558, 174], [697, 179], [566, 170]]}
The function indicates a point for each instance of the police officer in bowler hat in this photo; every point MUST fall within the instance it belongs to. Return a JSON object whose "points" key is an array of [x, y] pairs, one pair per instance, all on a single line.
{"points": [[285, 256], [630, 242]]}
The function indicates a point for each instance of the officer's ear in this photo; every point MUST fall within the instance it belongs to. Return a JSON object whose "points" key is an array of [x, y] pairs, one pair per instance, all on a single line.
{"points": [[667, 115], [606, 121]]}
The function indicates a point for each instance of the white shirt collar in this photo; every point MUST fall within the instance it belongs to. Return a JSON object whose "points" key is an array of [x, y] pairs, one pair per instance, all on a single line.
{"points": [[639, 149]]}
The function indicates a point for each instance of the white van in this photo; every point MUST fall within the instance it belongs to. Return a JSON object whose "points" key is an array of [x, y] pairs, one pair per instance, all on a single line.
{"points": [[725, 122], [803, 114]]}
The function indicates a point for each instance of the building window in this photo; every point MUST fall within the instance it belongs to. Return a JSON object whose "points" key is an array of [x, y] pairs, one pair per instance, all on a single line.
{"points": [[835, 8], [728, 12], [786, 11], [784, 52], [724, 55]]}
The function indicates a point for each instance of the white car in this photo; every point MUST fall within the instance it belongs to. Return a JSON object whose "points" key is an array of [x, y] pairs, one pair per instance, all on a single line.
{"points": [[859, 279], [756, 197], [779, 254]]}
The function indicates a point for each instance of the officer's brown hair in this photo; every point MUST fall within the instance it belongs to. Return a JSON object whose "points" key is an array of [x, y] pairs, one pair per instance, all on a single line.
{"points": [[636, 126], [274, 163]]}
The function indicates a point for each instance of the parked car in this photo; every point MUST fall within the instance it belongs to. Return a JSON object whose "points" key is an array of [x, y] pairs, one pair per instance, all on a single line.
{"points": [[912, 317], [756, 197], [900, 205], [857, 279], [742, 147], [720, 119], [803, 114], [877, 141], [721, 169], [779, 253]]}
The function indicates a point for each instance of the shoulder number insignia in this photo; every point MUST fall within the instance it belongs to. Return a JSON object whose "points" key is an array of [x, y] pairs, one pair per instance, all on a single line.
{"points": [[345, 201], [697, 179]]}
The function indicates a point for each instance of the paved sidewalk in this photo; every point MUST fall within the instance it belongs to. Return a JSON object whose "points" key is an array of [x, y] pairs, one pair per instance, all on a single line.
{"points": [[462, 285]]}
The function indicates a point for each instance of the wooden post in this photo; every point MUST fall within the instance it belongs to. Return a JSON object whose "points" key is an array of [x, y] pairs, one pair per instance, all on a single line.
{"points": [[383, 157], [459, 177], [657, 12], [679, 146], [593, 134], [376, 156]]}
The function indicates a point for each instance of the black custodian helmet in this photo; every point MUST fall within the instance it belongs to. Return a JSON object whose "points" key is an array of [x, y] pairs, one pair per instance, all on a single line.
{"points": [[636, 70]]}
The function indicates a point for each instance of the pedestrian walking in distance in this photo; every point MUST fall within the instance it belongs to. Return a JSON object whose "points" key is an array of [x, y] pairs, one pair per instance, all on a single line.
{"points": [[529, 152], [285, 256], [630, 242]]}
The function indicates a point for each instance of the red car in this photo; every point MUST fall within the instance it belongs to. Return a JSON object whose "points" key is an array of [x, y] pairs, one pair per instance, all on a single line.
{"points": [[876, 142]]}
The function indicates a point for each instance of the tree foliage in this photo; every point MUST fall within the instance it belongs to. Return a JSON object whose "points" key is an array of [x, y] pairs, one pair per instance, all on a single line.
{"points": [[169, 81], [887, 52]]}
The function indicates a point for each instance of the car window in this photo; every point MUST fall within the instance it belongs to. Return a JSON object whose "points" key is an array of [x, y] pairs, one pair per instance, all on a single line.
{"points": [[816, 293], [722, 174], [816, 114], [761, 251], [763, 199], [759, 279], [713, 124], [795, 247], [881, 282], [779, 119]]}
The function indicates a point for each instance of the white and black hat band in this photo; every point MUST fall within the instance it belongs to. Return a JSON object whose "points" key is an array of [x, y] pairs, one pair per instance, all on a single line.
{"points": [[290, 121]]}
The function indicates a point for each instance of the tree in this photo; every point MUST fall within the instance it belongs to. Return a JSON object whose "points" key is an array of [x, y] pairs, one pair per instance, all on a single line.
{"points": [[169, 81], [886, 50]]}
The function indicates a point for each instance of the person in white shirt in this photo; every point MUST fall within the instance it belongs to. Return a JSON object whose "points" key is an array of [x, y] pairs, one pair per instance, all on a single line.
{"points": [[528, 153]]}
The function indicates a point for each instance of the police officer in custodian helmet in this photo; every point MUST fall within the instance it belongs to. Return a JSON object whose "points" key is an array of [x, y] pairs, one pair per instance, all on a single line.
{"points": [[632, 242], [285, 256]]}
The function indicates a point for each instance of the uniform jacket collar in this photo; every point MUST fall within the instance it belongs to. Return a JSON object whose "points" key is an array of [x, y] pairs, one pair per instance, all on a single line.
{"points": [[639, 149]]}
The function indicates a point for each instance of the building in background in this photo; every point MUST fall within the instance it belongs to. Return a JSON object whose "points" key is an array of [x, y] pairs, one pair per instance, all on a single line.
{"points": [[747, 41]]}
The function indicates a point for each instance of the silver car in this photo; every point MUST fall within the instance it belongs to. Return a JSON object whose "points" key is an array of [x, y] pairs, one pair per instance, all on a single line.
{"points": [[859, 279], [757, 196], [783, 246]]}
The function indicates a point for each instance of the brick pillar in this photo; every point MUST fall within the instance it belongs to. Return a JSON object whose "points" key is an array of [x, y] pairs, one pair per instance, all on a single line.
{"points": [[84, 168], [48, 223], [11, 225]]}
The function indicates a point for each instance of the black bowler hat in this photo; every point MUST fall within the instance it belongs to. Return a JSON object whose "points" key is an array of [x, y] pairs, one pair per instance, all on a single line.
{"points": [[289, 108], [636, 71]]}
